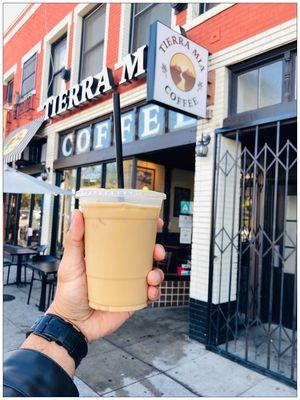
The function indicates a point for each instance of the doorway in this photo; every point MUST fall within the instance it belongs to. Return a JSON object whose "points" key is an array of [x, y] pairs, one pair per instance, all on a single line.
{"points": [[253, 270]]}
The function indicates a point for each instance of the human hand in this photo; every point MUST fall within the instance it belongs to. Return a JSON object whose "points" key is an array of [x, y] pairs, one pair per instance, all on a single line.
{"points": [[71, 297]]}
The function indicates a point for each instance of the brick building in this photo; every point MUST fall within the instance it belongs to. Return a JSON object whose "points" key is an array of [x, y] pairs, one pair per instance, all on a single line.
{"points": [[241, 289]]}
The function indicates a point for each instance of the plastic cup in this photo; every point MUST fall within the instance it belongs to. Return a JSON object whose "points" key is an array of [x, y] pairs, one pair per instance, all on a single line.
{"points": [[120, 232]]}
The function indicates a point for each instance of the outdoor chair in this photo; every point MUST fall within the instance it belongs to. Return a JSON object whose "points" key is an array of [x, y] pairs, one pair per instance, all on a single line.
{"points": [[41, 251], [37, 276], [7, 263]]}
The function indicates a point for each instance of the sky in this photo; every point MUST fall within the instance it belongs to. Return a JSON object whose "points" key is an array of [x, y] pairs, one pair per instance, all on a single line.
{"points": [[10, 12]]}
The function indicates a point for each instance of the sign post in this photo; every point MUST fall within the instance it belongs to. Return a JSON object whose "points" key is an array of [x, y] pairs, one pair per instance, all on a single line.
{"points": [[118, 139]]}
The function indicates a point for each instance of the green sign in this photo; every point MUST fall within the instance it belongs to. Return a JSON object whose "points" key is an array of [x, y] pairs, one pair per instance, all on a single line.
{"points": [[185, 207]]}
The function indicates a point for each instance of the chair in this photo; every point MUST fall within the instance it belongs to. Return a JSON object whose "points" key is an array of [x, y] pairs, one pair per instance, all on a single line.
{"points": [[51, 281], [7, 263], [40, 249]]}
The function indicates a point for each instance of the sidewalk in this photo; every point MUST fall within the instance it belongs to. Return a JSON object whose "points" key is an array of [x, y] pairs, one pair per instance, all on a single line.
{"points": [[150, 355]]}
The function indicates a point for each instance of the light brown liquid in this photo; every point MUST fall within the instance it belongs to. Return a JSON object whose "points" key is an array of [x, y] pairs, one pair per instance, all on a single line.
{"points": [[119, 244]]}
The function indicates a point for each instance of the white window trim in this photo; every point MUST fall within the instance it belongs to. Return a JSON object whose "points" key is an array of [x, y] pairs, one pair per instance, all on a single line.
{"points": [[9, 74], [205, 16], [18, 26], [125, 31], [79, 12], [34, 50], [60, 29]]}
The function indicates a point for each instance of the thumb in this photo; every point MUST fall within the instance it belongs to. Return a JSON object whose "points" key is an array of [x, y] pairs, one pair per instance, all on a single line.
{"points": [[73, 245]]}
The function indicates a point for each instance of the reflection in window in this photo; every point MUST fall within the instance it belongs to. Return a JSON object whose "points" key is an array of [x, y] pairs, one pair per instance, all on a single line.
{"points": [[92, 42], [144, 14], [91, 176], [111, 181], [127, 125], [66, 206], [151, 121], [36, 220], [83, 140], [24, 219], [203, 7], [259, 88], [58, 52], [180, 121]]}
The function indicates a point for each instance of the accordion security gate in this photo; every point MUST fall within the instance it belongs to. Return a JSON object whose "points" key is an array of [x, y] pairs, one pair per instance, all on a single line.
{"points": [[252, 295]]}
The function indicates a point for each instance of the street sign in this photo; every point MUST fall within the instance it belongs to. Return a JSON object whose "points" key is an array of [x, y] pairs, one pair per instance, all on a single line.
{"points": [[185, 207]]}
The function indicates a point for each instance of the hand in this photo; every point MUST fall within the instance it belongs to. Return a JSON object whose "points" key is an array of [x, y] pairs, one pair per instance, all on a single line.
{"points": [[71, 298]]}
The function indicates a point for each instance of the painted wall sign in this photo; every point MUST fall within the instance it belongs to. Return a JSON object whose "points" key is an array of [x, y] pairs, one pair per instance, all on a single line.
{"points": [[177, 71], [133, 68]]}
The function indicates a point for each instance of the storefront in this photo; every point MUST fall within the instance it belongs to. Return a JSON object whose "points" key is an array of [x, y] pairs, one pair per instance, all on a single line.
{"points": [[26, 150], [159, 154]]}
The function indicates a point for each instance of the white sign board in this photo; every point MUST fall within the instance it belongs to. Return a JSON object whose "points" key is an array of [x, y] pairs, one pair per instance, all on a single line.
{"points": [[185, 236], [185, 221], [177, 71]]}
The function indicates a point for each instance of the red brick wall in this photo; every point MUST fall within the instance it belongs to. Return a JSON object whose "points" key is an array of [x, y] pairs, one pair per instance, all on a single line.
{"points": [[231, 26], [240, 22]]}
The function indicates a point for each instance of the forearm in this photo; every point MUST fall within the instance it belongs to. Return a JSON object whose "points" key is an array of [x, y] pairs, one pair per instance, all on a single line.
{"points": [[51, 349]]}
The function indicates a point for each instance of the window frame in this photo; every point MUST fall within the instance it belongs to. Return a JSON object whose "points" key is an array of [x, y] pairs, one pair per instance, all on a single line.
{"points": [[9, 84], [202, 7], [283, 53], [55, 73], [133, 16], [24, 95], [98, 44]]}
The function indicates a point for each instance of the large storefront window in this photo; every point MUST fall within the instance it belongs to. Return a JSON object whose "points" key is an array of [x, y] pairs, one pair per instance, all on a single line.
{"points": [[91, 177], [66, 206], [23, 219], [111, 174]]}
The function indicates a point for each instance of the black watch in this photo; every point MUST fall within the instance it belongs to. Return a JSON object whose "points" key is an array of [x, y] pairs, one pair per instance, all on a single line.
{"points": [[54, 328]]}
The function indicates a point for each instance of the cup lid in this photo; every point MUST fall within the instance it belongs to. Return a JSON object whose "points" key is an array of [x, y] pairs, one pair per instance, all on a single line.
{"points": [[120, 193]]}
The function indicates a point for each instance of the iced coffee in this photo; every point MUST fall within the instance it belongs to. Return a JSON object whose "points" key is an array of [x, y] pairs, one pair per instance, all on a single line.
{"points": [[120, 232]]}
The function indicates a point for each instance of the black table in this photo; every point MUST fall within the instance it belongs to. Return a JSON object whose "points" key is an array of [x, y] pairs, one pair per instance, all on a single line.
{"points": [[20, 252], [45, 268]]}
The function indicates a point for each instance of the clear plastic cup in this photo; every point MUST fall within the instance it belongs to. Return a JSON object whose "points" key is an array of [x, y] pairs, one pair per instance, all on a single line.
{"points": [[120, 232]]}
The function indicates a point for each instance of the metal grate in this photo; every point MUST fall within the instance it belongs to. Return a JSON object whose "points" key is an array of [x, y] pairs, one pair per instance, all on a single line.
{"points": [[252, 300]]}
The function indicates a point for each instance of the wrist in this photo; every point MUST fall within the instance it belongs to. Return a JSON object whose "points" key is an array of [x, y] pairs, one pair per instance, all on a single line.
{"points": [[51, 349], [79, 325]]}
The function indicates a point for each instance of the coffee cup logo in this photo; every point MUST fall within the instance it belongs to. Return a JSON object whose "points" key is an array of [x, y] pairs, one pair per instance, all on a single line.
{"points": [[183, 72]]}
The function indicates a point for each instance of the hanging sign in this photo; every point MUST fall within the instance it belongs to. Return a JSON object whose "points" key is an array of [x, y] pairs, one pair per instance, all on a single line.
{"points": [[177, 71]]}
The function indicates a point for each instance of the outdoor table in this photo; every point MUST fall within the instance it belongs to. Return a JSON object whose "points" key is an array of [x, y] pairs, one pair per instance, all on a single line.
{"points": [[20, 252], [45, 268]]}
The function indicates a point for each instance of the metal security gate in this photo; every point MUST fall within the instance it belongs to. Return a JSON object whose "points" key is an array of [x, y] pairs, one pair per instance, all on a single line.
{"points": [[252, 294]]}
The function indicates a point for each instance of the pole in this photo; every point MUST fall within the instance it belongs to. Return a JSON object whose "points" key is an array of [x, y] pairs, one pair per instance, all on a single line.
{"points": [[118, 139]]}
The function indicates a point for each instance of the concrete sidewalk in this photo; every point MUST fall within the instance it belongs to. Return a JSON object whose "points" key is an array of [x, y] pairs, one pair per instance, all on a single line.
{"points": [[150, 355]]}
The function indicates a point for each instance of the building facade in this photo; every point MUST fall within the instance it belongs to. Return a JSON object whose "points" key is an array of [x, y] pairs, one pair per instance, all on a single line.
{"points": [[236, 266]]}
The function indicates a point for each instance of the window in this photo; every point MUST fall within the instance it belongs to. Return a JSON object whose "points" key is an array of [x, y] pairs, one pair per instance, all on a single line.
{"points": [[9, 91], [143, 15], [263, 84], [91, 177], [93, 32], [28, 78], [203, 7], [57, 63], [260, 87]]}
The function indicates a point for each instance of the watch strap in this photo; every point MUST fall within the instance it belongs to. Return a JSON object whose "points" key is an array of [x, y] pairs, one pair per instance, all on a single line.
{"points": [[54, 328]]}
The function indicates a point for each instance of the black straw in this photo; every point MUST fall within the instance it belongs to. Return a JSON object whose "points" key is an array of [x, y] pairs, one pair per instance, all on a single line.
{"points": [[118, 139]]}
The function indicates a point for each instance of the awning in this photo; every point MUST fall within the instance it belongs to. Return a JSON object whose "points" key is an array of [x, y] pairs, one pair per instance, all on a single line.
{"points": [[18, 139]]}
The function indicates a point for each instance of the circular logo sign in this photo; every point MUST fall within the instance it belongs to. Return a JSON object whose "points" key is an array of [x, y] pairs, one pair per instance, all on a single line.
{"points": [[183, 72], [14, 141]]}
